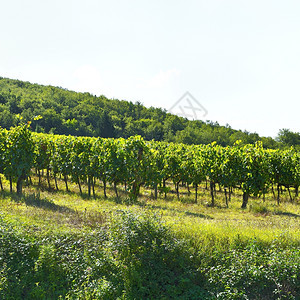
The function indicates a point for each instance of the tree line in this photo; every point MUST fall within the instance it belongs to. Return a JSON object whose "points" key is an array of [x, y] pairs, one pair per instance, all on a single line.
{"points": [[83, 114]]}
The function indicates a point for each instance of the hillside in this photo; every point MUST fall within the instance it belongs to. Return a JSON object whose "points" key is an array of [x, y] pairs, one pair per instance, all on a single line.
{"points": [[83, 114]]}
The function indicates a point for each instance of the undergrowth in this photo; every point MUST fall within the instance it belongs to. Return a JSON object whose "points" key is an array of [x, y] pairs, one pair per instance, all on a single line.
{"points": [[137, 256]]}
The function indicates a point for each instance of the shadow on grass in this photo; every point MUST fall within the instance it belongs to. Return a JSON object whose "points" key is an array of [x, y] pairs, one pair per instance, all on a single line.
{"points": [[36, 201], [99, 193], [198, 215], [192, 214], [288, 214], [123, 196], [61, 191]]}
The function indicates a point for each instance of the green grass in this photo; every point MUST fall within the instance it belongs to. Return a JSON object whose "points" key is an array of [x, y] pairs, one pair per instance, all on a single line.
{"points": [[85, 248]]}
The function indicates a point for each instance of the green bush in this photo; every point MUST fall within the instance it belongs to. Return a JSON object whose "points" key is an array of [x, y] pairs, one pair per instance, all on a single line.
{"points": [[46, 268], [17, 254], [155, 264], [256, 273]]}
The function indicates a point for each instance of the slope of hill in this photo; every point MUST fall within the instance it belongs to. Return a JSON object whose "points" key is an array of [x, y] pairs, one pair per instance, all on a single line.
{"points": [[83, 114]]}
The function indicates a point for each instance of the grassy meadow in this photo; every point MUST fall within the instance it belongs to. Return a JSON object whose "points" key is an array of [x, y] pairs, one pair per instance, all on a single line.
{"points": [[61, 245]]}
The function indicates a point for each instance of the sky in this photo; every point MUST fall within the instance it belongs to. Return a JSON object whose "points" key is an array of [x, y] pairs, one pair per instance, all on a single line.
{"points": [[238, 60]]}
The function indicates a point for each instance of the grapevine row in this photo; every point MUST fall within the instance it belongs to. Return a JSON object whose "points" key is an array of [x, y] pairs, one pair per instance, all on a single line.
{"points": [[134, 162]]}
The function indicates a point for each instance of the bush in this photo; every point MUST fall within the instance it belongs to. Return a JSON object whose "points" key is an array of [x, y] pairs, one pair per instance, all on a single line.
{"points": [[17, 257], [155, 264], [48, 267], [256, 273]]}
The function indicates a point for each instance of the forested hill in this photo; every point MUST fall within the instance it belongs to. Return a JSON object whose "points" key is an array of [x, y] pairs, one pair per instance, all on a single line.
{"points": [[83, 114]]}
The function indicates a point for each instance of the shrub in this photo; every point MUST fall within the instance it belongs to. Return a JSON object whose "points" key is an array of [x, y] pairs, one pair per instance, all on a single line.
{"points": [[256, 273], [155, 264]]}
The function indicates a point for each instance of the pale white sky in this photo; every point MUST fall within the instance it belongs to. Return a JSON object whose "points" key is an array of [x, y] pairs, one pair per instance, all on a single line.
{"points": [[239, 59]]}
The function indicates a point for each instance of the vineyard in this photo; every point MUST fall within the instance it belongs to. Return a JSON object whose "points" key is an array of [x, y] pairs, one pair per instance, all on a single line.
{"points": [[134, 163], [100, 218]]}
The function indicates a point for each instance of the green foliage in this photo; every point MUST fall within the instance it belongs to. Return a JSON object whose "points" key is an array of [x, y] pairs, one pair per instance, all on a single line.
{"points": [[46, 267], [256, 273], [288, 137], [136, 163], [83, 114], [16, 263], [18, 153], [155, 264], [139, 258]]}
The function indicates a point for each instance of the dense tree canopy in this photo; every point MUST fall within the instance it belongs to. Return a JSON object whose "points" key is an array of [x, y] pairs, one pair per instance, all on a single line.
{"points": [[83, 114], [288, 137]]}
